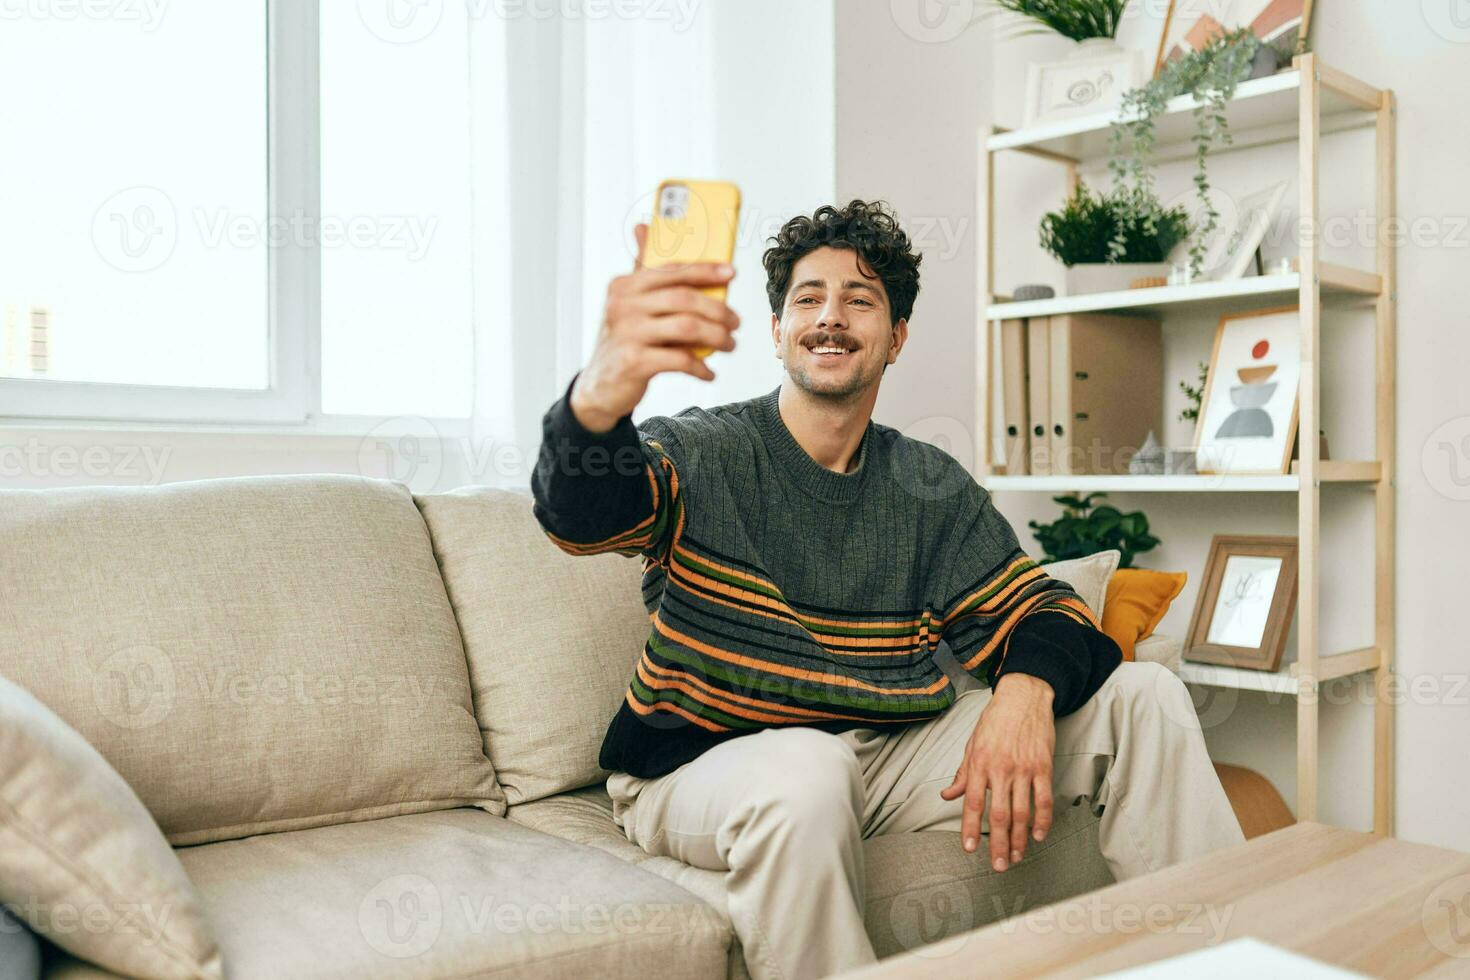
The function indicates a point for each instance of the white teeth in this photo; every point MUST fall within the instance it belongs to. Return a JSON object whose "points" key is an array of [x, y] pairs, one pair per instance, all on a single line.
{"points": [[829, 350]]}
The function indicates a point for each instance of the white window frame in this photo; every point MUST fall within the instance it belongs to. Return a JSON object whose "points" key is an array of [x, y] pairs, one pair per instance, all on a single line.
{"points": [[292, 399]]}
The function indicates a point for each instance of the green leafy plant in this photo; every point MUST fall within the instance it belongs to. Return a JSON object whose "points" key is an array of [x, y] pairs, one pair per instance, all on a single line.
{"points": [[1195, 395], [1210, 75], [1075, 19], [1086, 528], [1093, 227]]}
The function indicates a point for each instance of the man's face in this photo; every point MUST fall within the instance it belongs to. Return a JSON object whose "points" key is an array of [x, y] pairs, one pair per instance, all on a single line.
{"points": [[832, 304]]}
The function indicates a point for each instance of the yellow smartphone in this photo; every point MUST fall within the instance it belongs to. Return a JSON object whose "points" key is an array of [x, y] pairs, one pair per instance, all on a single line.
{"points": [[693, 221]]}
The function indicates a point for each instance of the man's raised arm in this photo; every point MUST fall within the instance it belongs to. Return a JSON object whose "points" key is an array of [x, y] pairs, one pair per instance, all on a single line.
{"points": [[601, 485]]}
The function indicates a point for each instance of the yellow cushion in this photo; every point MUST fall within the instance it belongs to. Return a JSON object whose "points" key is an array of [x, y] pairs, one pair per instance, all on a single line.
{"points": [[1137, 600]]}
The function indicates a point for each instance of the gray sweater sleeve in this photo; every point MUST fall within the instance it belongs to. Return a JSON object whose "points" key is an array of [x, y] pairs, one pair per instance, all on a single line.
{"points": [[615, 491]]}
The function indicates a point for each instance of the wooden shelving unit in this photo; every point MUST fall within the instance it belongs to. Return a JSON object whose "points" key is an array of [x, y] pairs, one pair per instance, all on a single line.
{"points": [[1300, 104]]}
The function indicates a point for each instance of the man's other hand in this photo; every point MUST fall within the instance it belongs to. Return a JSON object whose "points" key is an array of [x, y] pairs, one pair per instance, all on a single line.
{"points": [[1010, 754]]}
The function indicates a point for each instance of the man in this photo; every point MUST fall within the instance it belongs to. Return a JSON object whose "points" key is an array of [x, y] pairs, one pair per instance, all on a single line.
{"points": [[801, 564]]}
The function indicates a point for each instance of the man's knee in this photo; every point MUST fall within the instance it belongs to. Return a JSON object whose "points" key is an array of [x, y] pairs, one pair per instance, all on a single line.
{"points": [[1153, 692], [808, 776]]}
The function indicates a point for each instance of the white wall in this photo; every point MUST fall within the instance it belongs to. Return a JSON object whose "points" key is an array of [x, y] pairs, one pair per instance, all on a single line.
{"points": [[907, 114]]}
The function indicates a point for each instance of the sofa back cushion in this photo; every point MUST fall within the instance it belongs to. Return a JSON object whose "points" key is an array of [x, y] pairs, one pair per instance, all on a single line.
{"points": [[251, 655], [551, 639]]}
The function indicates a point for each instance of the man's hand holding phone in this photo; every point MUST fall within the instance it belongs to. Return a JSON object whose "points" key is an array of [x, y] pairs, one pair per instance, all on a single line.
{"points": [[653, 322]]}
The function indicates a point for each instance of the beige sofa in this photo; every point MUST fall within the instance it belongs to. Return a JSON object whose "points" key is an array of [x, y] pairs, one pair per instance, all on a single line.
{"points": [[368, 725]]}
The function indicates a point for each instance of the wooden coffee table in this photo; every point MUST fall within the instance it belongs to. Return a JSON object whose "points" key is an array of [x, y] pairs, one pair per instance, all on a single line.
{"points": [[1375, 905]]}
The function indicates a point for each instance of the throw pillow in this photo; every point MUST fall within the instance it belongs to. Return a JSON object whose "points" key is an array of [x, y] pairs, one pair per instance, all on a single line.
{"points": [[1137, 600], [81, 860], [1088, 576]]}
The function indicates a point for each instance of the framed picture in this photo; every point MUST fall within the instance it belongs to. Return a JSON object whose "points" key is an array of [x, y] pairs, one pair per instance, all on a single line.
{"points": [[1246, 600], [1190, 24], [1248, 412], [1078, 86], [1241, 231]]}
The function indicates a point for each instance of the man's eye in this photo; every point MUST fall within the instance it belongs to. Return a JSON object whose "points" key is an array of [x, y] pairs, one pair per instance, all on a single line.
{"points": [[806, 299], [862, 301]]}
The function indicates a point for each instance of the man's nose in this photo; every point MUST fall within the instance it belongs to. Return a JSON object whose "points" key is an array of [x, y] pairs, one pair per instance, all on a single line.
{"points": [[831, 314]]}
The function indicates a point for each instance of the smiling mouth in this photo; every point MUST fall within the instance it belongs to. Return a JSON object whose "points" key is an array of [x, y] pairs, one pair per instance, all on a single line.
{"points": [[829, 352]]}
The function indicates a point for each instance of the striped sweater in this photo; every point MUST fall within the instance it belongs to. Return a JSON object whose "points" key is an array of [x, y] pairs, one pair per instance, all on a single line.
{"points": [[781, 592]]}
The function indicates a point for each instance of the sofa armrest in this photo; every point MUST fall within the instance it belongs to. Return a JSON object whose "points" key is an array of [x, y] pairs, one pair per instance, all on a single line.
{"points": [[1160, 649]]}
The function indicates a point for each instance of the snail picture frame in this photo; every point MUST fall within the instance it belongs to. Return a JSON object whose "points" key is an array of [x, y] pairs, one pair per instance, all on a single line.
{"points": [[1081, 85], [1246, 601]]}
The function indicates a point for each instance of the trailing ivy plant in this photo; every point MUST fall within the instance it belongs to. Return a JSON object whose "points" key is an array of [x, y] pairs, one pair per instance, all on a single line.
{"points": [[1210, 75], [1085, 529]]}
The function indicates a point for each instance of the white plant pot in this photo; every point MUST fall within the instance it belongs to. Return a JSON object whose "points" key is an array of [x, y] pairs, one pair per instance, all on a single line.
{"points": [[1095, 47], [1107, 277]]}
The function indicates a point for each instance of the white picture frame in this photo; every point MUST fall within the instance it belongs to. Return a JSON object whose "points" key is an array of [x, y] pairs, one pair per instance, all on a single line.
{"points": [[1248, 412], [1241, 230], [1080, 86]]}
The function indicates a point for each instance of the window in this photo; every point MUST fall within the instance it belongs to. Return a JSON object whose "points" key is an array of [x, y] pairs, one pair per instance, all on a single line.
{"points": [[260, 217], [396, 205], [126, 246]]}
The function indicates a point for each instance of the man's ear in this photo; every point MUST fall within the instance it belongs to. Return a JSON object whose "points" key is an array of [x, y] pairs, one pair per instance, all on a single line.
{"points": [[900, 337], [776, 334]]}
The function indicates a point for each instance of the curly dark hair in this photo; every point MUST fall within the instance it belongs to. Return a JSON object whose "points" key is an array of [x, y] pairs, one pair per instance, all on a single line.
{"points": [[868, 228]]}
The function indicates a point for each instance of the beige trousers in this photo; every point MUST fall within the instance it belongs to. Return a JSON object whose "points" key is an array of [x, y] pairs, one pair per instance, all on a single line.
{"points": [[784, 811]]}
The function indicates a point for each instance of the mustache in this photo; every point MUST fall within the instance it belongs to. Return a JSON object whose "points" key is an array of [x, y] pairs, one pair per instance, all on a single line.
{"points": [[829, 340]]}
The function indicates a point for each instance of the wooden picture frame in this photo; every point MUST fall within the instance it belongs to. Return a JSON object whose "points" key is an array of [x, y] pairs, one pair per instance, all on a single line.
{"points": [[1211, 453], [1256, 615], [1232, 15]]}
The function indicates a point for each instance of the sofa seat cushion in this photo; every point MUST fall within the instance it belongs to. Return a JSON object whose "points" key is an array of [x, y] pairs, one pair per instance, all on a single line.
{"points": [[453, 893], [251, 655], [921, 887], [551, 638]]}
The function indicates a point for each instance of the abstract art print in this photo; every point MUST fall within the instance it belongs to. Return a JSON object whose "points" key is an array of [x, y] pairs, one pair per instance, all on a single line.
{"points": [[1248, 413]]}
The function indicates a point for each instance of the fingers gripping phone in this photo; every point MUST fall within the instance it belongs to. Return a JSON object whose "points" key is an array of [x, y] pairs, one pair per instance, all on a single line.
{"points": [[693, 221]]}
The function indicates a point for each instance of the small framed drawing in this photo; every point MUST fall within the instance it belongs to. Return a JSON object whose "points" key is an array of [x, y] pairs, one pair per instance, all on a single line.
{"points": [[1248, 412], [1080, 85], [1245, 603], [1241, 231]]}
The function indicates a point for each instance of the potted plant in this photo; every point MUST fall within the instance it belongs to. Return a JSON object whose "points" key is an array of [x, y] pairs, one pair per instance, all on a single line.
{"points": [[1085, 529], [1107, 241], [1091, 23]]}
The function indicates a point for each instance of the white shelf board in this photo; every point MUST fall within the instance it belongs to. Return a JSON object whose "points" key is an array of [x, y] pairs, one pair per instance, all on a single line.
{"points": [[1154, 298], [1121, 483], [1212, 675], [1334, 280], [1268, 103]]}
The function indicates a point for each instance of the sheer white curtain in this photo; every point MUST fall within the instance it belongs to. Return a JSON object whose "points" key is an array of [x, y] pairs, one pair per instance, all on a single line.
{"points": [[574, 122]]}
